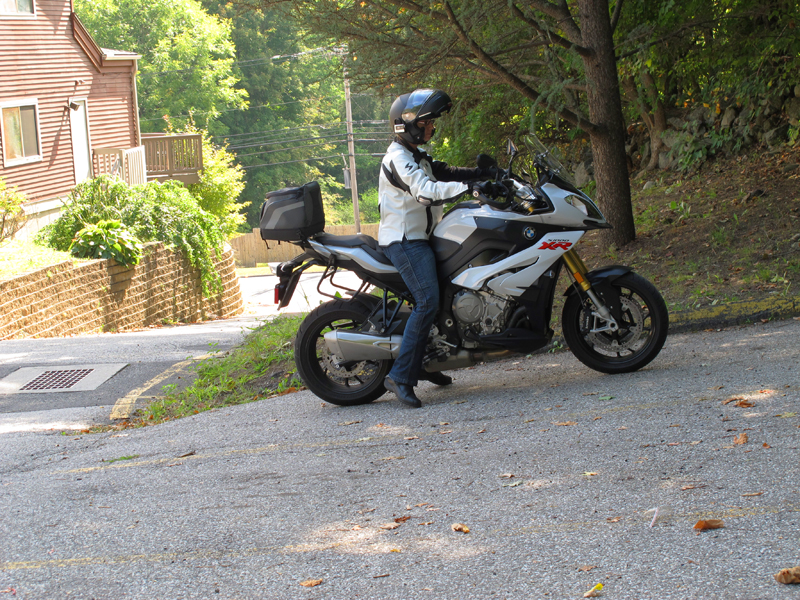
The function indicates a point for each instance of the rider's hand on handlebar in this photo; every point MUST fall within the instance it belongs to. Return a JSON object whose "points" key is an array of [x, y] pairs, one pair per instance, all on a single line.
{"points": [[490, 189]]}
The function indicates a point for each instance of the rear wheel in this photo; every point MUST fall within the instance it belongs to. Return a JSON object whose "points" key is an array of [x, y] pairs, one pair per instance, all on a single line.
{"points": [[641, 334], [344, 384]]}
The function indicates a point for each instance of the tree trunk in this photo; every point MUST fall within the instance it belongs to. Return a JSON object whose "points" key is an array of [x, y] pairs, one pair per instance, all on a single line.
{"points": [[605, 110]]}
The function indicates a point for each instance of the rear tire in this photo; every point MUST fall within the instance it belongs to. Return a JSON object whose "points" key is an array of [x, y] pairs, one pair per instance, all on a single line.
{"points": [[641, 334], [345, 385]]}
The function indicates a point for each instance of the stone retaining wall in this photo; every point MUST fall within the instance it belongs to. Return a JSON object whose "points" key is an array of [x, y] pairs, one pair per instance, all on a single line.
{"points": [[100, 295]]}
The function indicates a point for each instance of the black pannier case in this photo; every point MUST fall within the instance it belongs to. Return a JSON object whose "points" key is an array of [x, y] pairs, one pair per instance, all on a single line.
{"points": [[292, 214]]}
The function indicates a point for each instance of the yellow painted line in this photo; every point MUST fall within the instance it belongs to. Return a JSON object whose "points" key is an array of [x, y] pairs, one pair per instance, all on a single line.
{"points": [[123, 408]]}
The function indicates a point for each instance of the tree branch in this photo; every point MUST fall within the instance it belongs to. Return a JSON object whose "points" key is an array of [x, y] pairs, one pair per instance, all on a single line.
{"points": [[551, 36], [560, 12], [502, 74], [617, 13]]}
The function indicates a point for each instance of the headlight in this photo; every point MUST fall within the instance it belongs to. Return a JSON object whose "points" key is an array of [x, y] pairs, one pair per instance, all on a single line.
{"points": [[585, 205]]}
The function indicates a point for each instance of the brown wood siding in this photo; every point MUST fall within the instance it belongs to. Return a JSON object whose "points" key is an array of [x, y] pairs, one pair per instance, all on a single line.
{"points": [[41, 59]]}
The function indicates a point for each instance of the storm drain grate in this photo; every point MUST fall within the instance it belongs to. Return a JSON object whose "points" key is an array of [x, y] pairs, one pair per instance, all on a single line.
{"points": [[57, 380]]}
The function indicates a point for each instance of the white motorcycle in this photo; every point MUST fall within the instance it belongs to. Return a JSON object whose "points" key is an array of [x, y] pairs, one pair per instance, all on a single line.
{"points": [[498, 261]]}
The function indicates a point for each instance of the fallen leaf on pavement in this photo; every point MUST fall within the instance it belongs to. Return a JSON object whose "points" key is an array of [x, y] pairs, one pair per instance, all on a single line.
{"points": [[507, 475], [589, 474], [786, 415], [788, 575], [752, 494], [605, 398], [401, 519], [614, 519], [692, 487], [744, 404], [411, 437], [709, 524], [566, 423], [311, 582], [733, 399], [426, 523], [390, 526], [587, 568], [349, 423], [717, 387], [379, 576], [514, 484], [594, 592], [446, 431], [766, 445], [740, 439], [459, 527]]}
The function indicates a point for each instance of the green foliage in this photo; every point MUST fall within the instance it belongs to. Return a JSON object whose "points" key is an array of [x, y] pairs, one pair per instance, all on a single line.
{"points": [[187, 63], [164, 212], [261, 367], [107, 239], [12, 215], [221, 184]]}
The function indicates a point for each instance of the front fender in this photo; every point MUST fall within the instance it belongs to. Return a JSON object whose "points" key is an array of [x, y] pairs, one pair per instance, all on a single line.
{"points": [[601, 280]]}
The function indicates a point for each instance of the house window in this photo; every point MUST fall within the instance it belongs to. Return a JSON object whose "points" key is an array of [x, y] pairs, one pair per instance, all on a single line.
{"points": [[20, 131], [16, 7]]}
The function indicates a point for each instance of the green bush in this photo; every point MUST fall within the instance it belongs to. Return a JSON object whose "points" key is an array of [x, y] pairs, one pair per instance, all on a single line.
{"points": [[107, 239], [220, 185], [164, 212], [12, 215]]}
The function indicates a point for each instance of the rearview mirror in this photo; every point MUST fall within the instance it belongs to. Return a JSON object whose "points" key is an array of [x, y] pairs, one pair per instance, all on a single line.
{"points": [[511, 149]]}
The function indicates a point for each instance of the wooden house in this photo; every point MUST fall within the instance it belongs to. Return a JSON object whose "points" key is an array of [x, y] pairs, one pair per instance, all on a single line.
{"points": [[69, 109]]}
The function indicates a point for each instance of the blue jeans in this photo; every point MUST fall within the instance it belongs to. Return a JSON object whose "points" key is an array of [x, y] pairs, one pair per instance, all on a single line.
{"points": [[415, 261]]}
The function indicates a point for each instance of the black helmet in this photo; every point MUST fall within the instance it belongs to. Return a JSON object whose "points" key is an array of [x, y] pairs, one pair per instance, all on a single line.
{"points": [[409, 108]]}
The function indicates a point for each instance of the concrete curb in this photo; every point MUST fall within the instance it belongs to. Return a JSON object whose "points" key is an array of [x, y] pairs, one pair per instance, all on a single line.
{"points": [[733, 313]]}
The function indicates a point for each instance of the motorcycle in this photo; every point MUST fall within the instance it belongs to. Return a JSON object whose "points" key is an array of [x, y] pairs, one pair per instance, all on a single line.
{"points": [[498, 261]]}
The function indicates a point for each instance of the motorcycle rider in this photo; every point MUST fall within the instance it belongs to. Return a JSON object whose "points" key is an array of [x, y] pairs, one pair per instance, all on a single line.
{"points": [[412, 189]]}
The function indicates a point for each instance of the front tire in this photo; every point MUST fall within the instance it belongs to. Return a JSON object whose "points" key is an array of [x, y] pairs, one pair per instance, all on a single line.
{"points": [[641, 334], [344, 385]]}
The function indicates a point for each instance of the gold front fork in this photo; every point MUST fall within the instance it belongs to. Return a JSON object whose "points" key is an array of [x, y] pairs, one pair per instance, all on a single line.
{"points": [[577, 269], [580, 273]]}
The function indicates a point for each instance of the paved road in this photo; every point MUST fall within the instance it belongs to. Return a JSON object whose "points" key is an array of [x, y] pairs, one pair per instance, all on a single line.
{"points": [[151, 359], [552, 467]]}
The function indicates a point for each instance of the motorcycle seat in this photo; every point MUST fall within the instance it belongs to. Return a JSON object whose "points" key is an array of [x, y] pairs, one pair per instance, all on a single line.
{"points": [[360, 240]]}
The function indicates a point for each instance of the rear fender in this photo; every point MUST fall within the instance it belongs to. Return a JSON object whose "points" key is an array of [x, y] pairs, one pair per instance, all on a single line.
{"points": [[601, 280], [288, 275]]}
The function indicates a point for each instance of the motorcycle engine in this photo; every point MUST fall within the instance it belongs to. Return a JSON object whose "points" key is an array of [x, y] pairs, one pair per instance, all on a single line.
{"points": [[482, 312]]}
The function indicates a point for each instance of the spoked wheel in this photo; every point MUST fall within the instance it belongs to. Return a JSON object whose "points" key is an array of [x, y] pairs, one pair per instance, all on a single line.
{"points": [[345, 384], [641, 334]]}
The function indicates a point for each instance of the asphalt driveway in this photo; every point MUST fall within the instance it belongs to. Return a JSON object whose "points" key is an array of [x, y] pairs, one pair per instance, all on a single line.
{"points": [[555, 470]]}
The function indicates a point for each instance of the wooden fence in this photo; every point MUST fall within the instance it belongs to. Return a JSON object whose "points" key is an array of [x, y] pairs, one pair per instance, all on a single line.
{"points": [[250, 250]]}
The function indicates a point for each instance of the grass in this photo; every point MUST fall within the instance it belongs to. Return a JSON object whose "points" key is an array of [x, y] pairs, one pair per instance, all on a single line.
{"points": [[20, 256], [262, 367]]}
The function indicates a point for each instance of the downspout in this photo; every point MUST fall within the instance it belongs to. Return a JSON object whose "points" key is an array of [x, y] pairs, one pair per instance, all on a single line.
{"points": [[137, 133]]}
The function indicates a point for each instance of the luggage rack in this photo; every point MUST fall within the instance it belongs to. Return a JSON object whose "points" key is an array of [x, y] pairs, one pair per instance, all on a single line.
{"points": [[330, 270]]}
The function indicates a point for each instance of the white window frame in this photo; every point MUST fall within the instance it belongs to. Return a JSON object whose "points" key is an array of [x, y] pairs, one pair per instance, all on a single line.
{"points": [[13, 162], [18, 15]]}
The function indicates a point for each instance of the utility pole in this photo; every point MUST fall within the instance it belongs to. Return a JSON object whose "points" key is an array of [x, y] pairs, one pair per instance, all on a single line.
{"points": [[351, 149]]}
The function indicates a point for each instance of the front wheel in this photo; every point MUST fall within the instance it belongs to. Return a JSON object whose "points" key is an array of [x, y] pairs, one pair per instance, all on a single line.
{"points": [[345, 384], [641, 334]]}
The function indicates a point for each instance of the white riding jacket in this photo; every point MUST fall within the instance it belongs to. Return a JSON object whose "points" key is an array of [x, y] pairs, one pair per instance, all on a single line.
{"points": [[411, 191]]}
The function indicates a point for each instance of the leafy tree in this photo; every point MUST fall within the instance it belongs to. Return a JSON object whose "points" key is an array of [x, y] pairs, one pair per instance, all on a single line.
{"points": [[187, 56], [558, 55]]}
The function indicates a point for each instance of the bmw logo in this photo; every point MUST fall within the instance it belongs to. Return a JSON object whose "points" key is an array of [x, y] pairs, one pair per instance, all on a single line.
{"points": [[529, 233]]}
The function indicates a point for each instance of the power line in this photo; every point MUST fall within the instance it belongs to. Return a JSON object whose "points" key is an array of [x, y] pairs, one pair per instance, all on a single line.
{"points": [[307, 139], [286, 162], [208, 112], [330, 143], [287, 129]]}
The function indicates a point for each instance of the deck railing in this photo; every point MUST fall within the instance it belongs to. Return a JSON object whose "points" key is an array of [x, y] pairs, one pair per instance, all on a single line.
{"points": [[173, 156], [128, 164]]}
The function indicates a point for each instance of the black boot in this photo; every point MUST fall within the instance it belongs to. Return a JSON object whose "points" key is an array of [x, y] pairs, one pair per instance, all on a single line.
{"points": [[403, 391], [436, 377]]}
